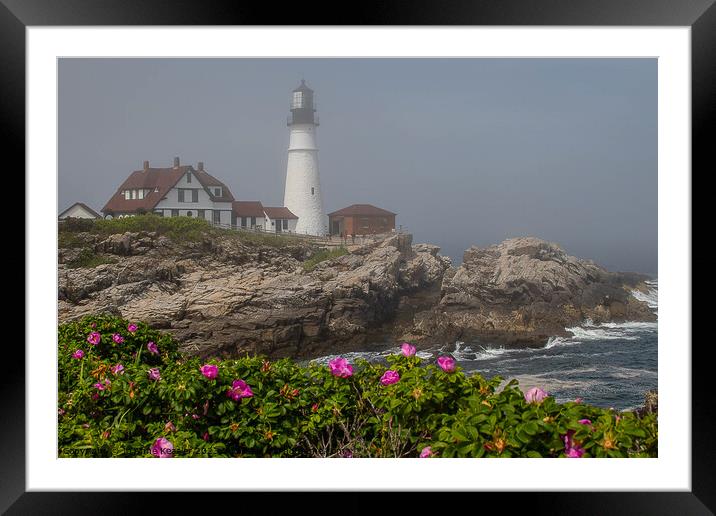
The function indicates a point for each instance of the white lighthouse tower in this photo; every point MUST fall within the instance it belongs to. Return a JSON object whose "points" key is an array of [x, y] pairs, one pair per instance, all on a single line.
{"points": [[303, 188]]}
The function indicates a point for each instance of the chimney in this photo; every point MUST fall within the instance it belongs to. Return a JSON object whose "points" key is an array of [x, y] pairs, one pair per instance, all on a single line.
{"points": [[176, 162], [200, 166], [146, 165]]}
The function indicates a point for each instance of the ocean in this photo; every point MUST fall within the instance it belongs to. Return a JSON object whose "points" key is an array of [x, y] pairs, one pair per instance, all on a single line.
{"points": [[607, 365]]}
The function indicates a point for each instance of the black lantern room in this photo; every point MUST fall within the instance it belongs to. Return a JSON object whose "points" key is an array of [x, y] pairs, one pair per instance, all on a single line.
{"points": [[302, 106]]}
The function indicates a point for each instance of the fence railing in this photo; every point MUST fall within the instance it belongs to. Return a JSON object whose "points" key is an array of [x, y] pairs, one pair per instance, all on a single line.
{"points": [[328, 239]]}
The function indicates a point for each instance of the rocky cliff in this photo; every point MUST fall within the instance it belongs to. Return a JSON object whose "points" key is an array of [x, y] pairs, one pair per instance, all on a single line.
{"points": [[523, 291], [224, 296]]}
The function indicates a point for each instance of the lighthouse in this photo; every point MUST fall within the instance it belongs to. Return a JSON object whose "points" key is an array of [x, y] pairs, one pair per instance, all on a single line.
{"points": [[302, 194]]}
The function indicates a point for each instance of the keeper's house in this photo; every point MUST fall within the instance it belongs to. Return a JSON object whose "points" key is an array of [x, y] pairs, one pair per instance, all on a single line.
{"points": [[361, 219], [185, 191], [178, 191]]}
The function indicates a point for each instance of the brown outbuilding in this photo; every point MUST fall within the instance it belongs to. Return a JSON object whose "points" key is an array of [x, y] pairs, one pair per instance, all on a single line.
{"points": [[361, 219]]}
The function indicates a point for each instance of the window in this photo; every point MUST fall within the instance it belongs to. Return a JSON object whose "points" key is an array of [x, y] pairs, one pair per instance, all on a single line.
{"points": [[189, 214], [216, 217], [244, 220], [159, 213], [297, 100], [127, 195], [181, 195], [285, 223], [175, 213], [312, 191], [188, 177], [156, 189], [217, 192], [201, 214], [253, 221], [273, 223], [195, 196], [134, 194], [140, 194]]}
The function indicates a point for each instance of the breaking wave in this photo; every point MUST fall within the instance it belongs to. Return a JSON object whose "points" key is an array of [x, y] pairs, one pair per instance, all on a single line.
{"points": [[651, 297]]}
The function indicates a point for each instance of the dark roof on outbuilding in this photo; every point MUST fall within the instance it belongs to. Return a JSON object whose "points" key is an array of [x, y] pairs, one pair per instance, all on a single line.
{"points": [[362, 210], [279, 213], [248, 208]]}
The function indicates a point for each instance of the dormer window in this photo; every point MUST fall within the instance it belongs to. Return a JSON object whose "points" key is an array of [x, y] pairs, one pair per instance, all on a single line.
{"points": [[188, 177], [217, 192]]}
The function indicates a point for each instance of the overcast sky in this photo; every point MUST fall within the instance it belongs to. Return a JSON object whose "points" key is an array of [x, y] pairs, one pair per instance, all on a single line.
{"points": [[465, 151]]}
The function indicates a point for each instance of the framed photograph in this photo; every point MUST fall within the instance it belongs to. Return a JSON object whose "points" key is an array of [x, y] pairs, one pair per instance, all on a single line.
{"points": [[487, 173]]}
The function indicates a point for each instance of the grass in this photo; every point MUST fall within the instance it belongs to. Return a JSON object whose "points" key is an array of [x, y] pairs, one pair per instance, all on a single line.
{"points": [[181, 229], [322, 256], [87, 259]]}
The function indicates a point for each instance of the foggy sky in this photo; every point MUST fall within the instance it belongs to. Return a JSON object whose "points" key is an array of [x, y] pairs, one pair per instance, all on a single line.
{"points": [[465, 151]]}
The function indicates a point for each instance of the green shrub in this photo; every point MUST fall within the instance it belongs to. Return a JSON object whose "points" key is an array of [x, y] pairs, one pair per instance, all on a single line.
{"points": [[297, 411], [182, 229], [87, 258], [322, 255]]}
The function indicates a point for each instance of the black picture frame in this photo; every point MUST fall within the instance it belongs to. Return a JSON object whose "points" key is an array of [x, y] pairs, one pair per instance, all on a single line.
{"points": [[699, 15]]}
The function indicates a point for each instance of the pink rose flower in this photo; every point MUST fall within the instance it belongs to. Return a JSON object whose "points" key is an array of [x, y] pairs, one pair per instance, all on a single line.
{"points": [[239, 389], [340, 367], [61, 412], [117, 338], [407, 349], [426, 453], [94, 338], [211, 371], [154, 374], [447, 363], [586, 422], [117, 369], [389, 377], [131, 327], [571, 448], [78, 354], [153, 349], [162, 448], [535, 395], [169, 427], [102, 386]]}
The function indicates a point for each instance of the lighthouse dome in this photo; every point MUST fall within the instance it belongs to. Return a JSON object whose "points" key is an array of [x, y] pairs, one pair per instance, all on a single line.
{"points": [[303, 87]]}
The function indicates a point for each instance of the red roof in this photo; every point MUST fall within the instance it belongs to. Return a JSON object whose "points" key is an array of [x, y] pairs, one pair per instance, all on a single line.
{"points": [[248, 208], [362, 210], [279, 213], [207, 180], [164, 180]]}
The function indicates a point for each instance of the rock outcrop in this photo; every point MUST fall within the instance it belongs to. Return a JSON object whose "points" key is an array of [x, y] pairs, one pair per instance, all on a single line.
{"points": [[224, 297], [523, 291]]}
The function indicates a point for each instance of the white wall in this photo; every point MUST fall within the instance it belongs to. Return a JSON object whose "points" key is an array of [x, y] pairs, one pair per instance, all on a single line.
{"points": [[301, 177], [78, 212], [292, 223]]}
